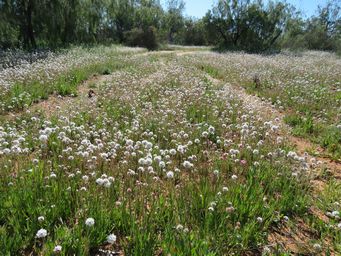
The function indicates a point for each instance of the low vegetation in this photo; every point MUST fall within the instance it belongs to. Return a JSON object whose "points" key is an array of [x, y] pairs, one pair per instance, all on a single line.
{"points": [[59, 74], [230, 145], [166, 157], [306, 88]]}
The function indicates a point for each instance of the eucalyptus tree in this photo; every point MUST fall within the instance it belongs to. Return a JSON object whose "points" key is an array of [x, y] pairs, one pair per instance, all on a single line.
{"points": [[324, 30], [247, 25], [173, 20]]}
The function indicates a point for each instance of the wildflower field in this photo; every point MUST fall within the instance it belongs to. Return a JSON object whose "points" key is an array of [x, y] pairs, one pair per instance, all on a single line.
{"points": [[120, 151]]}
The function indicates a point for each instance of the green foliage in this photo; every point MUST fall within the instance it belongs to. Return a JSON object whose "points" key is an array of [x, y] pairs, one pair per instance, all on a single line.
{"points": [[302, 125], [58, 23], [142, 37], [31, 24], [174, 20], [194, 33], [329, 201], [321, 32], [246, 25], [26, 92], [254, 27], [328, 137], [8, 35], [212, 71]]}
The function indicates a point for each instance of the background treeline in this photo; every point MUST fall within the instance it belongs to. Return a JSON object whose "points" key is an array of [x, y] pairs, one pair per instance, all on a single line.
{"points": [[247, 25]]}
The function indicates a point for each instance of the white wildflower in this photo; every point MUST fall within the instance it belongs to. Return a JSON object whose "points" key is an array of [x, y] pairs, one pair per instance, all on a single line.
{"points": [[111, 238], [41, 233], [89, 222], [57, 249]]}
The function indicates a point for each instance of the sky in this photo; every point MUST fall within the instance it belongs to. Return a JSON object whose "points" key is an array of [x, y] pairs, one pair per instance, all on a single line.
{"points": [[198, 8]]}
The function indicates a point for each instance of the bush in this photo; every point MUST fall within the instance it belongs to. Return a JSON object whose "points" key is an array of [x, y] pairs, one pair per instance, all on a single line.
{"points": [[142, 37], [8, 36]]}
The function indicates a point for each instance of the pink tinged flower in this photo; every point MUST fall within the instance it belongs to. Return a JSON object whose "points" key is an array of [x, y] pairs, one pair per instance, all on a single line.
{"points": [[230, 209], [57, 249]]}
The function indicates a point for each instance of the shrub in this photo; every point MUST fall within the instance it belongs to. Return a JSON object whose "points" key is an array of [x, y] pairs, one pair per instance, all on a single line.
{"points": [[142, 37]]}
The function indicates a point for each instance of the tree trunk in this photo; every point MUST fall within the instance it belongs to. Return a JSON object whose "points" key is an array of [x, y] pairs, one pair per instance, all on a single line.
{"points": [[29, 26], [223, 35]]}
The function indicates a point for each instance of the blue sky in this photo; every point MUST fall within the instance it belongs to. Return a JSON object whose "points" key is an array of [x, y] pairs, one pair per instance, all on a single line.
{"points": [[198, 8]]}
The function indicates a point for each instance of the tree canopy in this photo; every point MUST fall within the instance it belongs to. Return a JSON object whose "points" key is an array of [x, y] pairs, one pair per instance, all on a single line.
{"points": [[248, 25]]}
